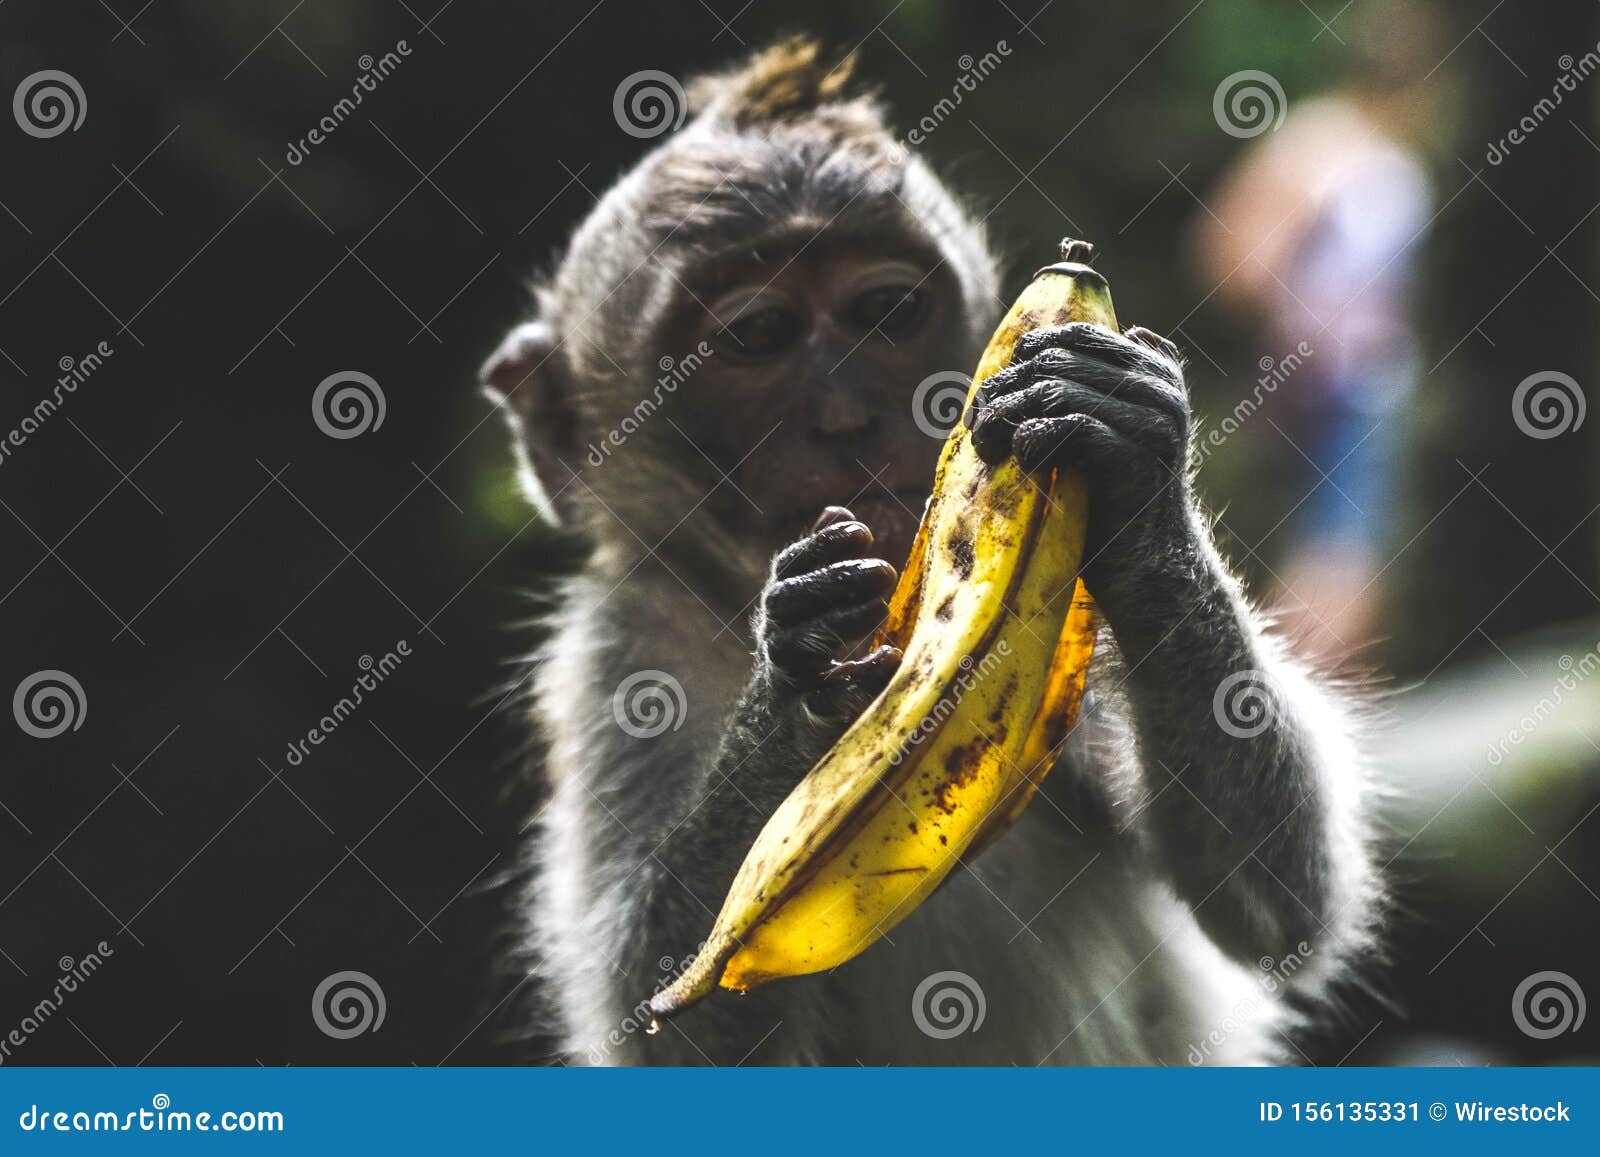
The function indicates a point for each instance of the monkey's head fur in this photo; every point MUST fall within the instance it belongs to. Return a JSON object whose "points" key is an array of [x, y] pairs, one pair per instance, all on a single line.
{"points": [[734, 337]]}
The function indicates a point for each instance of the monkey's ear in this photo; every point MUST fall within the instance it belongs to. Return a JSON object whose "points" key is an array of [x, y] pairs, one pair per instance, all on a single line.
{"points": [[525, 377]]}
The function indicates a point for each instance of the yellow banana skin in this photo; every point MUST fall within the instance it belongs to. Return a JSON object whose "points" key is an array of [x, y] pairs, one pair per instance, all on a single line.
{"points": [[997, 634]]}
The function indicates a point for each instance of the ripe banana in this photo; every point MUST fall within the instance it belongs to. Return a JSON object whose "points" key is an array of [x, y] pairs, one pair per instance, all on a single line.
{"points": [[952, 750]]}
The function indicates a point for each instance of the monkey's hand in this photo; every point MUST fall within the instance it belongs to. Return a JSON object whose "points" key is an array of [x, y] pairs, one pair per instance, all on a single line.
{"points": [[825, 594], [1114, 408]]}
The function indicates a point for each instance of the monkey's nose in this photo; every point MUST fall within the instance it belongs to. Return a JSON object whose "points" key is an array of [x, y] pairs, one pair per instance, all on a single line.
{"points": [[843, 415], [845, 430]]}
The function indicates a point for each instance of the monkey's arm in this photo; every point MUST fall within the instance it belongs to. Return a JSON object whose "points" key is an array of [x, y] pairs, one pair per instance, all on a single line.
{"points": [[1250, 772], [821, 597], [1250, 769]]}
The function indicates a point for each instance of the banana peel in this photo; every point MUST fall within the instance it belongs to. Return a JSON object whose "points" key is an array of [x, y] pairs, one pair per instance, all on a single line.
{"points": [[952, 751]]}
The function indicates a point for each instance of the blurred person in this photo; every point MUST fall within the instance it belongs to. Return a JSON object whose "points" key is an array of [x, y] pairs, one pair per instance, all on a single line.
{"points": [[1314, 233]]}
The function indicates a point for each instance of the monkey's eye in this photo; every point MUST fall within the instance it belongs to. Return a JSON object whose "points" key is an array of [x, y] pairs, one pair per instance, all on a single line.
{"points": [[893, 310], [761, 333]]}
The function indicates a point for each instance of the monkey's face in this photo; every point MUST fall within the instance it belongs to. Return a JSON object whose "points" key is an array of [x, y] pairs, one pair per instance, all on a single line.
{"points": [[806, 397]]}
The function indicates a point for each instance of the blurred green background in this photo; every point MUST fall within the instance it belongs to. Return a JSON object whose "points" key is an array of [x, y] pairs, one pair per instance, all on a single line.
{"points": [[183, 493]]}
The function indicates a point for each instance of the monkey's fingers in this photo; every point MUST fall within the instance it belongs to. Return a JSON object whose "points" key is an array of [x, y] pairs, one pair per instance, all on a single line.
{"points": [[846, 688], [793, 601], [1145, 354], [1153, 340], [805, 653], [1157, 428], [834, 542]]}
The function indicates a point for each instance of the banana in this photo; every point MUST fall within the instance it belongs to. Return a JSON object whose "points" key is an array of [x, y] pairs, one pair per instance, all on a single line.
{"points": [[952, 750]]}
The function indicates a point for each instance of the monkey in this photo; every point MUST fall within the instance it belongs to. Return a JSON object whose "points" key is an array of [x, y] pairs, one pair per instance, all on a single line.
{"points": [[713, 396]]}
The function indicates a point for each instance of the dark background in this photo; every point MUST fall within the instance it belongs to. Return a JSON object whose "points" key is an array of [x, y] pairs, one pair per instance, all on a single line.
{"points": [[184, 540]]}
